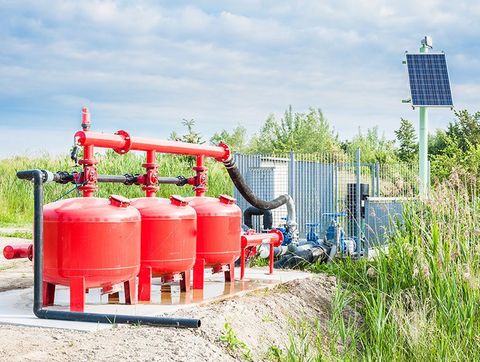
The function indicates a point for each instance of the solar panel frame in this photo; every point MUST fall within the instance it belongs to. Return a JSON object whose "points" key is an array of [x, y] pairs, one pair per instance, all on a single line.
{"points": [[429, 80]]}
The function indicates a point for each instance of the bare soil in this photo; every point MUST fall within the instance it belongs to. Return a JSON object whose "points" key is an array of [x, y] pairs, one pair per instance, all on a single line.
{"points": [[260, 319]]}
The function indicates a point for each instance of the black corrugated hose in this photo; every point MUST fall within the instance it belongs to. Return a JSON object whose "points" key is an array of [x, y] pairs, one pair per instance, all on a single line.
{"points": [[247, 193]]}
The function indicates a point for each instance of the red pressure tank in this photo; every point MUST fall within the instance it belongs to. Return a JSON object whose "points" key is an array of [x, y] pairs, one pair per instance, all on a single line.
{"points": [[90, 243], [218, 235], [168, 241]]}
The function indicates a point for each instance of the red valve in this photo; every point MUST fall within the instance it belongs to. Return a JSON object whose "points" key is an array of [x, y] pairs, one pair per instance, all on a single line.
{"points": [[18, 251], [86, 123]]}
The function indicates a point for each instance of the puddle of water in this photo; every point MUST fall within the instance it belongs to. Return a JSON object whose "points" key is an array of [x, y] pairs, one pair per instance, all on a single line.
{"points": [[212, 290], [169, 294]]}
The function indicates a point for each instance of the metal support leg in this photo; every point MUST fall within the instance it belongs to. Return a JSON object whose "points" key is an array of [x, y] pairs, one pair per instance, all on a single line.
{"points": [[242, 263], [198, 274], [145, 284], [271, 258], [48, 294], [230, 273], [129, 288], [185, 282], [77, 294]]}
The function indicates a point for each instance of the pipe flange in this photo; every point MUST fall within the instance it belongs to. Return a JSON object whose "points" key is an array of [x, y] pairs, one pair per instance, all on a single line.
{"points": [[128, 142], [227, 155]]}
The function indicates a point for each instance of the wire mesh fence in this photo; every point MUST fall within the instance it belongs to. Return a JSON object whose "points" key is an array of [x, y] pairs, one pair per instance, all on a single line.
{"points": [[323, 184]]}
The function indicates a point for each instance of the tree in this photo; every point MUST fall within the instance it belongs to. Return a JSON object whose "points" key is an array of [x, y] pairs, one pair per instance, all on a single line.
{"points": [[373, 147], [438, 142], [191, 136], [299, 132], [407, 141], [237, 139], [465, 130]]}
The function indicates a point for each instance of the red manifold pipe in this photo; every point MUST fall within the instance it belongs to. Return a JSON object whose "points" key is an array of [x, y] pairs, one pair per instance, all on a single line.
{"points": [[18, 251], [274, 238], [122, 142]]}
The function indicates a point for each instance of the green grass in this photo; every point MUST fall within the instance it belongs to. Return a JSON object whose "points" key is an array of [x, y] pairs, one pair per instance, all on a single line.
{"points": [[419, 302], [233, 344], [17, 234], [16, 196]]}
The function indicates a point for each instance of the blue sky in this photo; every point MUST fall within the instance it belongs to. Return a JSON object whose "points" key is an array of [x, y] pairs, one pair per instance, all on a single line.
{"points": [[144, 66]]}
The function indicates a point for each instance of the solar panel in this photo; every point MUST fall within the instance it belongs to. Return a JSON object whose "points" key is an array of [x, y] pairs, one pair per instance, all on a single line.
{"points": [[429, 84]]}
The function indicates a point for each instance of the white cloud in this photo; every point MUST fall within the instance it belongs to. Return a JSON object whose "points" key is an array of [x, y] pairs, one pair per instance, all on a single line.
{"points": [[158, 62]]}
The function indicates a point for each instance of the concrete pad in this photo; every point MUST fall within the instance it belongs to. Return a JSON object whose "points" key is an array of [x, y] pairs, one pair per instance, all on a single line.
{"points": [[16, 305]]}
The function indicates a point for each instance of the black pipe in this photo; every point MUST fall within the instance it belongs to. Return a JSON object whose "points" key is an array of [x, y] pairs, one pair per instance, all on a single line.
{"points": [[63, 177], [40, 177], [247, 193], [252, 210], [179, 180], [129, 179]]}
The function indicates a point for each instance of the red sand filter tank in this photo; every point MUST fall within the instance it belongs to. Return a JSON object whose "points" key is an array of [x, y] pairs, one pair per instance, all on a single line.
{"points": [[90, 243], [168, 241], [218, 235]]}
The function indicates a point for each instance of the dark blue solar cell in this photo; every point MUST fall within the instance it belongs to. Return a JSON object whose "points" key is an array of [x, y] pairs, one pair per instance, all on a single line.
{"points": [[429, 82]]}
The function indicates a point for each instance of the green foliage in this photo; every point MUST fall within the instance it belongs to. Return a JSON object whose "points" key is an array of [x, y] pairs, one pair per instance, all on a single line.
{"points": [[191, 136], [237, 139], [465, 131], [407, 141], [419, 301], [301, 132], [438, 142], [17, 234], [374, 148], [233, 344], [16, 196], [457, 150]]}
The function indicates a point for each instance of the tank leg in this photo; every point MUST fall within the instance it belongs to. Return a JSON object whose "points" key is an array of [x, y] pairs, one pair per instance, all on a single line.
{"points": [[242, 263], [144, 284], [48, 294], [77, 294], [198, 274], [230, 273], [185, 282], [114, 298], [129, 290]]}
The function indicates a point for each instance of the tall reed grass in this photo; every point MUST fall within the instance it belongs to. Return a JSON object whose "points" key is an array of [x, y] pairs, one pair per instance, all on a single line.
{"points": [[16, 200], [418, 302]]}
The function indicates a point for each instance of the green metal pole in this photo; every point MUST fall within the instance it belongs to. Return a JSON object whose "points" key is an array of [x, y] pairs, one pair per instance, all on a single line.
{"points": [[423, 145]]}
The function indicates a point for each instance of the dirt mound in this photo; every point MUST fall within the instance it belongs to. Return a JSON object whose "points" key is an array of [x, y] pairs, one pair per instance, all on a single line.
{"points": [[256, 322]]}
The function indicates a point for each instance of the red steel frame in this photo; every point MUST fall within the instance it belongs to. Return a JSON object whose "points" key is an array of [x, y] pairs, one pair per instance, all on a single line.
{"points": [[121, 142], [273, 238]]}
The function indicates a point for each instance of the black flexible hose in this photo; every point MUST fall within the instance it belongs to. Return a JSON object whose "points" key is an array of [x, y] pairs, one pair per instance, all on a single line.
{"points": [[247, 193], [39, 178], [252, 210]]}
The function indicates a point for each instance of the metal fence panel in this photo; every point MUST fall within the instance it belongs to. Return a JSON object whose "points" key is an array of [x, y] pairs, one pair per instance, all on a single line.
{"points": [[318, 184], [381, 215], [314, 194]]}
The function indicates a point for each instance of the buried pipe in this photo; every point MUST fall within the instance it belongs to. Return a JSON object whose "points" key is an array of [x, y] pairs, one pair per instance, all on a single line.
{"points": [[39, 178]]}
